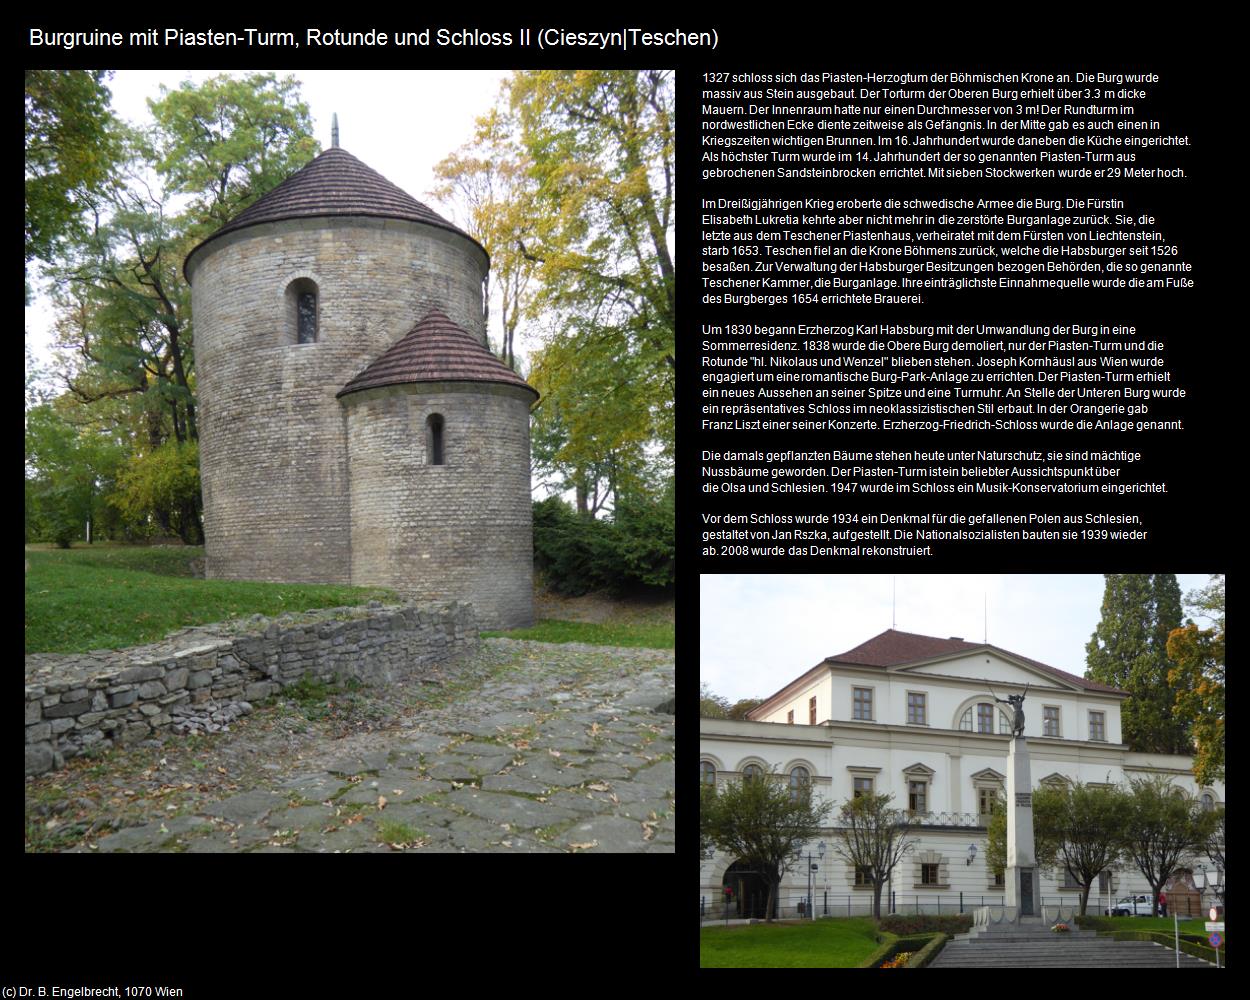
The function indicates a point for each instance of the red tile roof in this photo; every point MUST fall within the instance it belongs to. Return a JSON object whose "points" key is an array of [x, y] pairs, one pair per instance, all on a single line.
{"points": [[435, 350], [334, 183], [893, 648]]}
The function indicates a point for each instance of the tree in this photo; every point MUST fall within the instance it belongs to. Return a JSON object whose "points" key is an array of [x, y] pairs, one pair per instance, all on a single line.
{"points": [[491, 178], [762, 821], [712, 705], [69, 469], [70, 152], [599, 145], [1078, 829], [1128, 651], [124, 327], [1196, 678], [873, 837], [1214, 848], [742, 706], [1162, 831]]}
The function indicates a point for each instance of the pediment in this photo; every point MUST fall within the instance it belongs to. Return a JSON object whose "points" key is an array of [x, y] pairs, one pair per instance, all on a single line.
{"points": [[920, 769], [987, 664], [1055, 779], [989, 774]]}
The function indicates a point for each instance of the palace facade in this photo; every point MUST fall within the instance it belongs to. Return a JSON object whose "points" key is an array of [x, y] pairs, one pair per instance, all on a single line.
{"points": [[923, 719]]}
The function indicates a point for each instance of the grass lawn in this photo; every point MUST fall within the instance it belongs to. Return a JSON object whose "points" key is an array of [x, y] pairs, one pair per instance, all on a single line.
{"points": [[1163, 924], [653, 635], [109, 596], [819, 944]]}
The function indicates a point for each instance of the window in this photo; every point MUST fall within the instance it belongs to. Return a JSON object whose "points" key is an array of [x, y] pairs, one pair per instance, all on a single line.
{"points": [[863, 875], [1097, 727], [917, 796], [998, 879], [434, 439], [811, 711], [863, 786], [915, 708], [1208, 801], [790, 717], [752, 772], [863, 704], [986, 797], [929, 875], [707, 772], [1104, 881], [301, 311], [1050, 720], [1069, 880], [985, 718], [800, 783]]}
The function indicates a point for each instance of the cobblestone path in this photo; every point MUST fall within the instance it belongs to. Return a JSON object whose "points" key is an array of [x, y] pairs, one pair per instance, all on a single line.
{"points": [[539, 748]]}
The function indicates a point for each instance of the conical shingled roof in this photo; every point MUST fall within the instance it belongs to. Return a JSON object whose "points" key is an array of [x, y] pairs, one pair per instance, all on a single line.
{"points": [[435, 350], [334, 183]]}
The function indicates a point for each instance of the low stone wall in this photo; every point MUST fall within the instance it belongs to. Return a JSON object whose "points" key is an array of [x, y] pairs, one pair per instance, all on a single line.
{"points": [[75, 701]]}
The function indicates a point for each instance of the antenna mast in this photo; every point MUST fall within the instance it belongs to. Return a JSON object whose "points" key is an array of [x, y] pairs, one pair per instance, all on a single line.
{"points": [[334, 130]]}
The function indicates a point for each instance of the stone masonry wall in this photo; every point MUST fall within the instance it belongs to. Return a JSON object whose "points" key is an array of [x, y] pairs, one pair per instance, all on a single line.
{"points": [[273, 453], [101, 699], [460, 530]]}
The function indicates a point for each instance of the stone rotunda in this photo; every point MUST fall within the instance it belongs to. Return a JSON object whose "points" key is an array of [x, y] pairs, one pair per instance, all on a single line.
{"points": [[354, 426]]}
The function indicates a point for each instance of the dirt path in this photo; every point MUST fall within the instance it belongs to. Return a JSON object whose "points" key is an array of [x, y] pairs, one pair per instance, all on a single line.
{"points": [[529, 747]]}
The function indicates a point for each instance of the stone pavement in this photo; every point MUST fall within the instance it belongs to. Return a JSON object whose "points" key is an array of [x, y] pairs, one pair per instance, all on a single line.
{"points": [[560, 751]]}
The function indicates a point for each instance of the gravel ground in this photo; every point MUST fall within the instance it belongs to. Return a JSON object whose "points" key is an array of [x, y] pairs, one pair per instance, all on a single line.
{"points": [[529, 747]]}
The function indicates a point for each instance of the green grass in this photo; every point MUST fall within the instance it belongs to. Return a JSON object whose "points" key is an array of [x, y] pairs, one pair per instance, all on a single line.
{"points": [[107, 597], [819, 944], [653, 635], [1158, 924]]}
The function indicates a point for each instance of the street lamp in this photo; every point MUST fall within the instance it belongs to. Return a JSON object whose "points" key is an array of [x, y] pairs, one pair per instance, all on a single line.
{"points": [[812, 867], [972, 853]]}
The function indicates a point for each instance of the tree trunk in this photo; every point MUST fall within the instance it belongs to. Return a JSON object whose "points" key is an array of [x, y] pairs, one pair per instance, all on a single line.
{"points": [[876, 900], [1085, 896]]}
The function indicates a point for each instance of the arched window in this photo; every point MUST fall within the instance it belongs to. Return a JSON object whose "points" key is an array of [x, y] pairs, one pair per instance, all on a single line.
{"points": [[434, 439], [301, 311], [984, 721], [707, 772], [752, 772], [800, 783], [1208, 801]]}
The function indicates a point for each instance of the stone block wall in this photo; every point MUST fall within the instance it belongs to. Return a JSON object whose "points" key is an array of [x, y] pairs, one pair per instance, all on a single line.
{"points": [[75, 701], [463, 529], [273, 453]]}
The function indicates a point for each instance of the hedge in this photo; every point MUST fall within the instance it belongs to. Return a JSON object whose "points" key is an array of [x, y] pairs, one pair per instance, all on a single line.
{"points": [[899, 923]]}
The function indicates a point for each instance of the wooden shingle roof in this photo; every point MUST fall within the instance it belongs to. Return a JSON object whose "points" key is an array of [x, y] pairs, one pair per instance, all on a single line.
{"points": [[435, 350]]}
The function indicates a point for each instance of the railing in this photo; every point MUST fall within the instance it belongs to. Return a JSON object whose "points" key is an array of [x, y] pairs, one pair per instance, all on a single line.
{"points": [[986, 910], [793, 905]]}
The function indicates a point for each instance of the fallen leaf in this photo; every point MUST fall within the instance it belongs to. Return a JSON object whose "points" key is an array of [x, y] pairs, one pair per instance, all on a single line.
{"points": [[554, 753], [599, 786], [221, 770], [381, 801], [584, 847], [397, 791]]}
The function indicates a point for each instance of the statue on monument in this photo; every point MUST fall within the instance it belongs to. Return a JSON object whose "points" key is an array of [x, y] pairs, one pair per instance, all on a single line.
{"points": [[1017, 702]]}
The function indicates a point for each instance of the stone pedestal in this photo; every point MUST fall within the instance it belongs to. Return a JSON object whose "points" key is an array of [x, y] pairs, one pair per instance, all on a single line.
{"points": [[1022, 880]]}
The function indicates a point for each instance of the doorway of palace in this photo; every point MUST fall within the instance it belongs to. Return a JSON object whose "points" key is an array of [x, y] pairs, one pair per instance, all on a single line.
{"points": [[749, 891]]}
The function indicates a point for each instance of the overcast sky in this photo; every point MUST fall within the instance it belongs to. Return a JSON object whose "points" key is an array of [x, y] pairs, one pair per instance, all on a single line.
{"points": [[758, 633], [399, 123]]}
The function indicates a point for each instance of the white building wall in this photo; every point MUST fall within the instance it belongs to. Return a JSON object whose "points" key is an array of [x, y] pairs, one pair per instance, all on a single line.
{"points": [[835, 754]]}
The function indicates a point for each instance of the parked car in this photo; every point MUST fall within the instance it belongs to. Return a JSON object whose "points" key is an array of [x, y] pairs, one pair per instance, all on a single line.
{"points": [[1130, 906]]}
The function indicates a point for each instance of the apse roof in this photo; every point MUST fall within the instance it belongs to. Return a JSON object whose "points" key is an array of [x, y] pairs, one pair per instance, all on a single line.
{"points": [[435, 350], [335, 183]]}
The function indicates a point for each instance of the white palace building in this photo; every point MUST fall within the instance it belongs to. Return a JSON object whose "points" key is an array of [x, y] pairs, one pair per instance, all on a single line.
{"points": [[914, 716]]}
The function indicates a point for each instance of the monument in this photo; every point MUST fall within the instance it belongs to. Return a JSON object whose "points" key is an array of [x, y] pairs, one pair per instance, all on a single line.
{"points": [[1022, 878]]}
